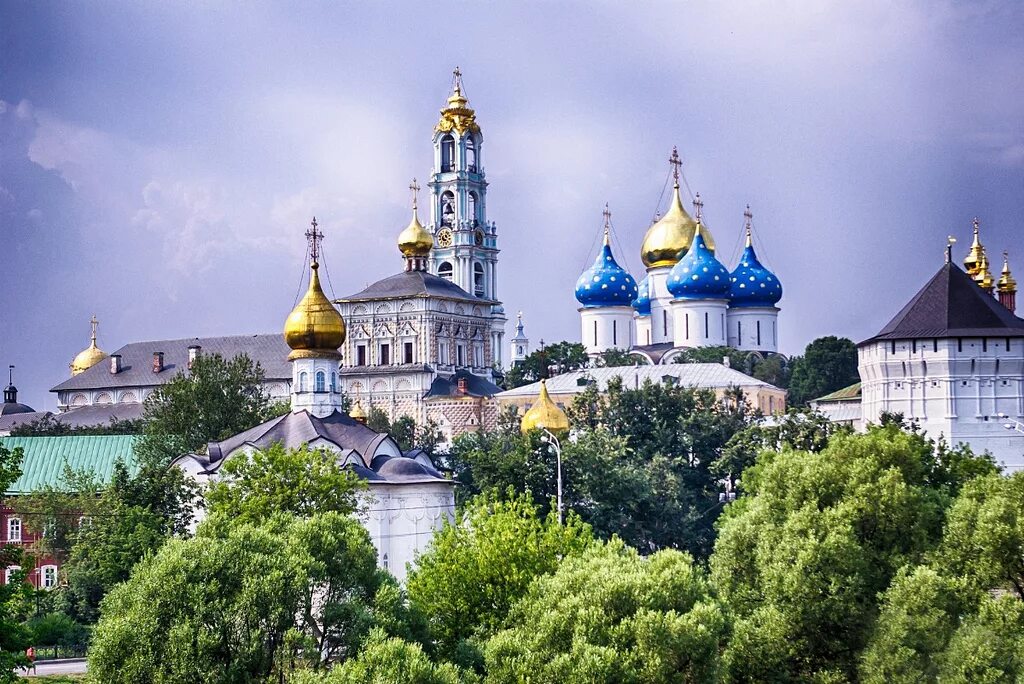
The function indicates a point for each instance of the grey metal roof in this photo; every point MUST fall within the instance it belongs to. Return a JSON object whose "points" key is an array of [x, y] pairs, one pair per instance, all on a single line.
{"points": [[700, 375], [12, 407], [476, 386], [413, 284], [269, 350], [13, 420], [292, 430], [951, 305], [99, 414]]}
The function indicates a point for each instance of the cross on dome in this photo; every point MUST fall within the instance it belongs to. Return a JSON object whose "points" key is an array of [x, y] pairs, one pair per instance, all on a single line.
{"points": [[748, 217], [698, 204], [676, 164], [607, 213], [415, 188], [93, 323], [314, 236]]}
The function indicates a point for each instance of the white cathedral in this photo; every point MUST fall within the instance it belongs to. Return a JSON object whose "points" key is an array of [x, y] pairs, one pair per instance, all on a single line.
{"points": [[688, 298]]}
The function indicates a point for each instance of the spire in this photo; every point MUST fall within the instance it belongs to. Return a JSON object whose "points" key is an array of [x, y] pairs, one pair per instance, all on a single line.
{"points": [[748, 219], [519, 325], [1007, 286], [972, 261], [10, 392]]}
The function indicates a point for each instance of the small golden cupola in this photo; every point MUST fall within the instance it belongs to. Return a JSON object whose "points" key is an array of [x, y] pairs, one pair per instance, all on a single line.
{"points": [[457, 115], [972, 262], [1007, 286], [984, 276], [314, 328], [544, 414], [671, 236], [358, 413], [415, 242], [91, 355]]}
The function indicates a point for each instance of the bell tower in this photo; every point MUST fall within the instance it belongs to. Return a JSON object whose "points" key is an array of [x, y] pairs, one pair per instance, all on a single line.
{"points": [[465, 242]]}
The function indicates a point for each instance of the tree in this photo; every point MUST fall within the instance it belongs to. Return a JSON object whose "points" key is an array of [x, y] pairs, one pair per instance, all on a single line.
{"points": [[546, 362], [739, 360], [804, 556], [611, 615], [14, 637], [391, 660], [49, 426], [302, 481], [773, 370], [828, 364], [473, 570], [617, 357], [239, 602]]}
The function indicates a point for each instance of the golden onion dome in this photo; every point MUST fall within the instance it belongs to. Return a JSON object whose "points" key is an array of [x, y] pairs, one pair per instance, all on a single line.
{"points": [[90, 356], [415, 240], [972, 262], [983, 276], [544, 414], [1006, 282], [314, 327], [357, 412], [671, 236]]}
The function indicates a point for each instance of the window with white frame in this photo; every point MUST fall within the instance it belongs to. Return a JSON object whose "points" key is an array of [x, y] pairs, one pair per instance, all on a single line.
{"points": [[321, 382], [9, 573], [407, 352], [14, 529], [49, 575]]}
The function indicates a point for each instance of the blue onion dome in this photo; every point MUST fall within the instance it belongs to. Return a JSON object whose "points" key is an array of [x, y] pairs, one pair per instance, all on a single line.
{"points": [[751, 284], [605, 283], [699, 275], [642, 303]]}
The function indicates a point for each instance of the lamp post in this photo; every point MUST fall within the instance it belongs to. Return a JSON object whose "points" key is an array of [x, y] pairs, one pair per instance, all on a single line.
{"points": [[1011, 423], [549, 438]]}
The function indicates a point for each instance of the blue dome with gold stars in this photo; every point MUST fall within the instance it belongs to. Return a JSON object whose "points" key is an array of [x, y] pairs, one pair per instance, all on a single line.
{"points": [[699, 275], [605, 283], [751, 284], [642, 303]]}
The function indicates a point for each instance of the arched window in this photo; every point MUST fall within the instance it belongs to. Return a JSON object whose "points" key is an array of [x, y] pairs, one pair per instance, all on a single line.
{"points": [[321, 382], [470, 154], [303, 380], [445, 270], [49, 573], [447, 209], [478, 279], [472, 210], [447, 152], [334, 382]]}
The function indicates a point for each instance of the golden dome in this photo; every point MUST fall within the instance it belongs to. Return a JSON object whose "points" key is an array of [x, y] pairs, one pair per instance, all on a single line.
{"points": [[1006, 282], [90, 356], [457, 114], [983, 276], [972, 262], [670, 237], [544, 414], [415, 240], [314, 327], [357, 412]]}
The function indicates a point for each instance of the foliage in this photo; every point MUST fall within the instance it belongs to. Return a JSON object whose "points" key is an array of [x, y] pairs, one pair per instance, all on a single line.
{"points": [[828, 364], [803, 558], [53, 512], [389, 660], [546, 362], [302, 481], [57, 629], [406, 432], [213, 400], [611, 358], [474, 569], [14, 637], [238, 602], [741, 361], [773, 370], [49, 426], [611, 615]]}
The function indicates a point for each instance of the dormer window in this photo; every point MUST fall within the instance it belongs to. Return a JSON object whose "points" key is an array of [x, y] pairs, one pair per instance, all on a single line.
{"points": [[447, 153]]}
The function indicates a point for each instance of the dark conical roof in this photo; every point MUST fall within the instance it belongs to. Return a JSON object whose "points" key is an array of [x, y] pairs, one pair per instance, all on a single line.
{"points": [[951, 305]]}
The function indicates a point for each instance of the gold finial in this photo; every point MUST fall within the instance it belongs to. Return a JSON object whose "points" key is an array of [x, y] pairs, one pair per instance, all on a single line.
{"points": [[950, 241], [698, 205], [676, 164], [748, 217], [972, 262], [314, 236], [607, 213], [983, 276], [1007, 285]]}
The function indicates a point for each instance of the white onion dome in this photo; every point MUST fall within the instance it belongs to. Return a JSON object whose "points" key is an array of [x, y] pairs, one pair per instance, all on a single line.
{"points": [[605, 283], [642, 303], [751, 284], [699, 275]]}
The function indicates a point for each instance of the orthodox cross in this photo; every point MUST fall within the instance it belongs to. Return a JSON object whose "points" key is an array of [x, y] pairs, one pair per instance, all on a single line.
{"points": [[749, 217], [676, 164], [607, 213], [698, 204], [950, 241], [457, 81], [415, 188], [93, 322], [976, 223], [314, 235]]}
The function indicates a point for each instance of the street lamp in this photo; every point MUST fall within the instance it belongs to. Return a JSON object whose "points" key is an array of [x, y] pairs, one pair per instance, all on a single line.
{"points": [[549, 438], [1011, 423]]}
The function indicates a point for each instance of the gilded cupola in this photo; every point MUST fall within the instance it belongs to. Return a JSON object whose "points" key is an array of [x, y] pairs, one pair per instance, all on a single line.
{"points": [[415, 242], [457, 114], [545, 414], [314, 328], [1006, 282], [972, 262], [983, 276], [671, 236], [90, 356]]}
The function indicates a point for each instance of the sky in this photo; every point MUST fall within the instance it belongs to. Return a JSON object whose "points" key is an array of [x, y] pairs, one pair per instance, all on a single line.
{"points": [[159, 162]]}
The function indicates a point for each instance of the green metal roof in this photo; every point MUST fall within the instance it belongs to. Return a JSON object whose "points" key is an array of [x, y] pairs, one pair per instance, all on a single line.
{"points": [[45, 458], [850, 393]]}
